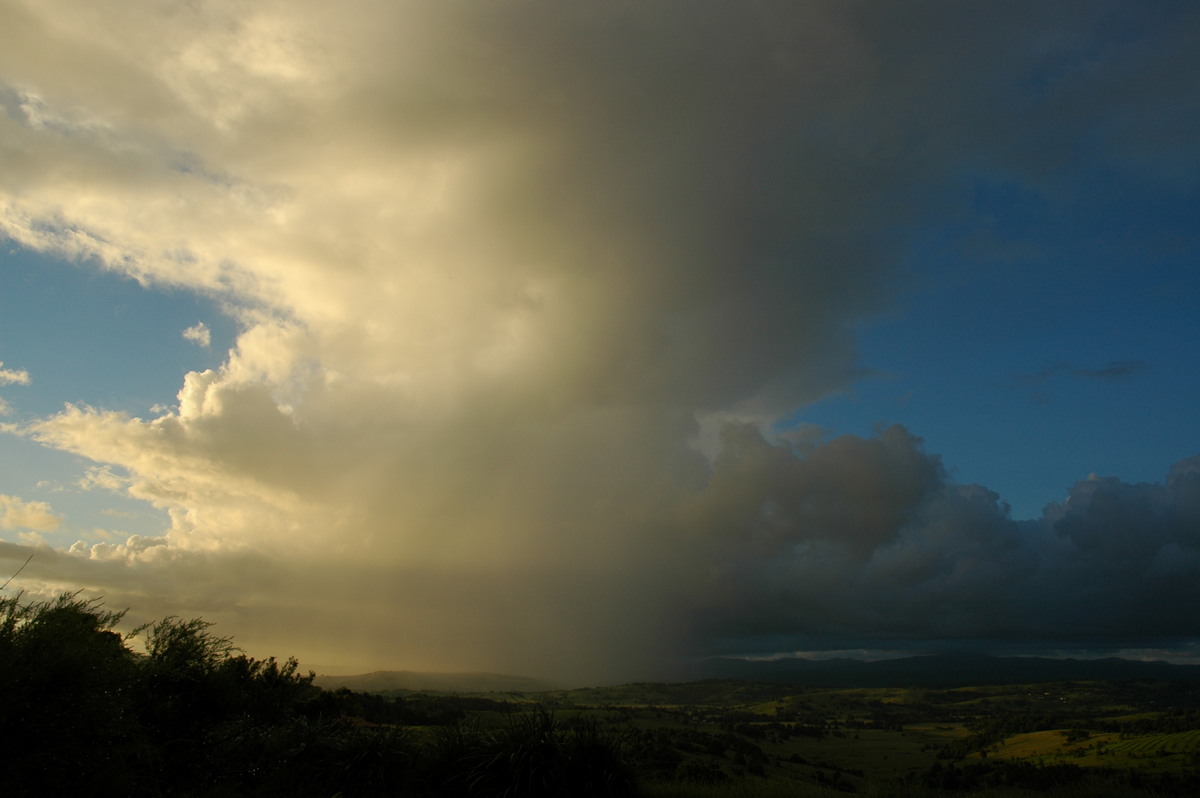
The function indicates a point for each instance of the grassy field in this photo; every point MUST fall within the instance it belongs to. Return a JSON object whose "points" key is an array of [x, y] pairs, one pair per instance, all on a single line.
{"points": [[1158, 752], [767, 740], [728, 738]]}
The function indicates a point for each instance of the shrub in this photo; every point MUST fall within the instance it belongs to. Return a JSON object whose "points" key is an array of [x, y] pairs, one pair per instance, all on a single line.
{"points": [[66, 700]]}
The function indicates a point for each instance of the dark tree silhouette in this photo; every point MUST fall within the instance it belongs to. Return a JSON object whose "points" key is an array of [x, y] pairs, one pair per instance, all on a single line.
{"points": [[192, 715]]}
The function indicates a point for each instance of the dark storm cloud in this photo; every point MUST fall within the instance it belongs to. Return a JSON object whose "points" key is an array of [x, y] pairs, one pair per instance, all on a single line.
{"points": [[867, 540]]}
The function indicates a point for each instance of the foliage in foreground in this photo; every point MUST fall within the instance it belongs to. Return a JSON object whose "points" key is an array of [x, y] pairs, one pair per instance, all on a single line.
{"points": [[86, 715]]}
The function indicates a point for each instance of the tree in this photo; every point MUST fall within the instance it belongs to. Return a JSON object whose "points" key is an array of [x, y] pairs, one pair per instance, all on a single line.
{"points": [[86, 715], [215, 712], [67, 680]]}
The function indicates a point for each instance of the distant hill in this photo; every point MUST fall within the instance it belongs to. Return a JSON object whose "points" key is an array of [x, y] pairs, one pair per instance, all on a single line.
{"points": [[385, 681], [936, 670], [941, 670]]}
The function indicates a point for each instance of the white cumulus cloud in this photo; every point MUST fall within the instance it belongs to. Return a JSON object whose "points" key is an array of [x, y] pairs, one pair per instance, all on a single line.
{"points": [[13, 376], [198, 334], [16, 513]]}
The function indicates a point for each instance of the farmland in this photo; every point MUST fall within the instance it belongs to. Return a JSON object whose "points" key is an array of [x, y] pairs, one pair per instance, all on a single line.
{"points": [[739, 738], [731, 738]]}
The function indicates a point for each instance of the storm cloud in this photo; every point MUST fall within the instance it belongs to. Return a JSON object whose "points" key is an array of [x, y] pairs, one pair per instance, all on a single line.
{"points": [[867, 543], [521, 289]]}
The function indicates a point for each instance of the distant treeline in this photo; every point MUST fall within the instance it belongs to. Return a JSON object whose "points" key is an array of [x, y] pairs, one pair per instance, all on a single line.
{"points": [[191, 715], [942, 671]]}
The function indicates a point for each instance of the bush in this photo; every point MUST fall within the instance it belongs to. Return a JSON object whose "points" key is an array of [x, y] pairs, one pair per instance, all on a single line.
{"points": [[90, 716], [67, 680], [193, 715]]}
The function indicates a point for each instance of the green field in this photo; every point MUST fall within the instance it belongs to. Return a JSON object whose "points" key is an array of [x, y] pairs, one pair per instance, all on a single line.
{"points": [[731, 738], [719, 738]]}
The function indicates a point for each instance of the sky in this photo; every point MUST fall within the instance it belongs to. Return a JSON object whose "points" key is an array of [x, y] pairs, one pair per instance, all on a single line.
{"points": [[586, 339]]}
